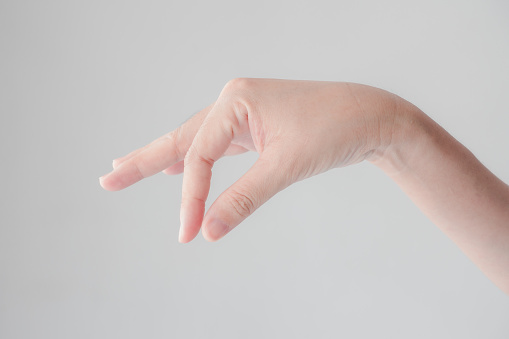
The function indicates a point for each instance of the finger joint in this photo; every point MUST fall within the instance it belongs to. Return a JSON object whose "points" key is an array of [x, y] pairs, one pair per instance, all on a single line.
{"points": [[242, 203]]}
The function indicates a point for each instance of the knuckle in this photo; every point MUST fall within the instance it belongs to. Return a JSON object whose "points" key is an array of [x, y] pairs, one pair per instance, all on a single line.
{"points": [[137, 167], [175, 140], [194, 155], [239, 85], [242, 203], [241, 95]]}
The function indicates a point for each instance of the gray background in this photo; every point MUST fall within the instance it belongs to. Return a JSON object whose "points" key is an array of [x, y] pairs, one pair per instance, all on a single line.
{"points": [[344, 254]]}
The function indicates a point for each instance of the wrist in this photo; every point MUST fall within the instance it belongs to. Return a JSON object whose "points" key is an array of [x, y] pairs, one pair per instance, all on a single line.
{"points": [[409, 135]]}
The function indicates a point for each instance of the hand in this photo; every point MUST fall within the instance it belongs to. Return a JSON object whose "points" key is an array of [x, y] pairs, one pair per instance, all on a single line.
{"points": [[303, 128], [299, 129]]}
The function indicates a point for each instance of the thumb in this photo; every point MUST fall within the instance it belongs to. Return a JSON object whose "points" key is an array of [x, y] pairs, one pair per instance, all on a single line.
{"points": [[260, 183]]}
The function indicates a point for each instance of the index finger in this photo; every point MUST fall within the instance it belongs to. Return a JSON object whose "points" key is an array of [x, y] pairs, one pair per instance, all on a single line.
{"points": [[210, 143]]}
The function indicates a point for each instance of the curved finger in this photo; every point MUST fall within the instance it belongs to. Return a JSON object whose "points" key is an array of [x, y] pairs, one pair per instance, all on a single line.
{"points": [[261, 182], [161, 154], [154, 157], [211, 142]]}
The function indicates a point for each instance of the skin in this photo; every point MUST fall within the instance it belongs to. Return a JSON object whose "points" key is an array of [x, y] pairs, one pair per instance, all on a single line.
{"points": [[304, 128]]}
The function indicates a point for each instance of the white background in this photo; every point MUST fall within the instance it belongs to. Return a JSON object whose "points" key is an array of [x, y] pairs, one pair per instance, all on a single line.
{"points": [[343, 254]]}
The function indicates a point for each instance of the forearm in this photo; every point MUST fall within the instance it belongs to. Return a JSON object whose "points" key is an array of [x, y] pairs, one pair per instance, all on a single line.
{"points": [[445, 180]]}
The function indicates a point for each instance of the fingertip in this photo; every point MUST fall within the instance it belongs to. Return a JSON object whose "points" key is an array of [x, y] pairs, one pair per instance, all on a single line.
{"points": [[102, 181], [182, 238], [206, 235], [214, 230], [109, 183], [185, 237], [190, 222]]}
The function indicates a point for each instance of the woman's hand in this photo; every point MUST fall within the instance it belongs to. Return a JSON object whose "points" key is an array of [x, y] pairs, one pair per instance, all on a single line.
{"points": [[299, 129], [303, 128]]}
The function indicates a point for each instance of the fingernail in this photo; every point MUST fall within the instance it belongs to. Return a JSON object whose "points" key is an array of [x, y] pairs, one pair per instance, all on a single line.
{"points": [[217, 229], [101, 179], [181, 229], [180, 233]]}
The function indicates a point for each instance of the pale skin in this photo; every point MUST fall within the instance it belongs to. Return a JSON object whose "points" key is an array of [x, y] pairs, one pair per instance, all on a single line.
{"points": [[304, 128]]}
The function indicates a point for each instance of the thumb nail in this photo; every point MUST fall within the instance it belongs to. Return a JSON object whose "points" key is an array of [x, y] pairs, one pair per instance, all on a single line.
{"points": [[216, 229]]}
